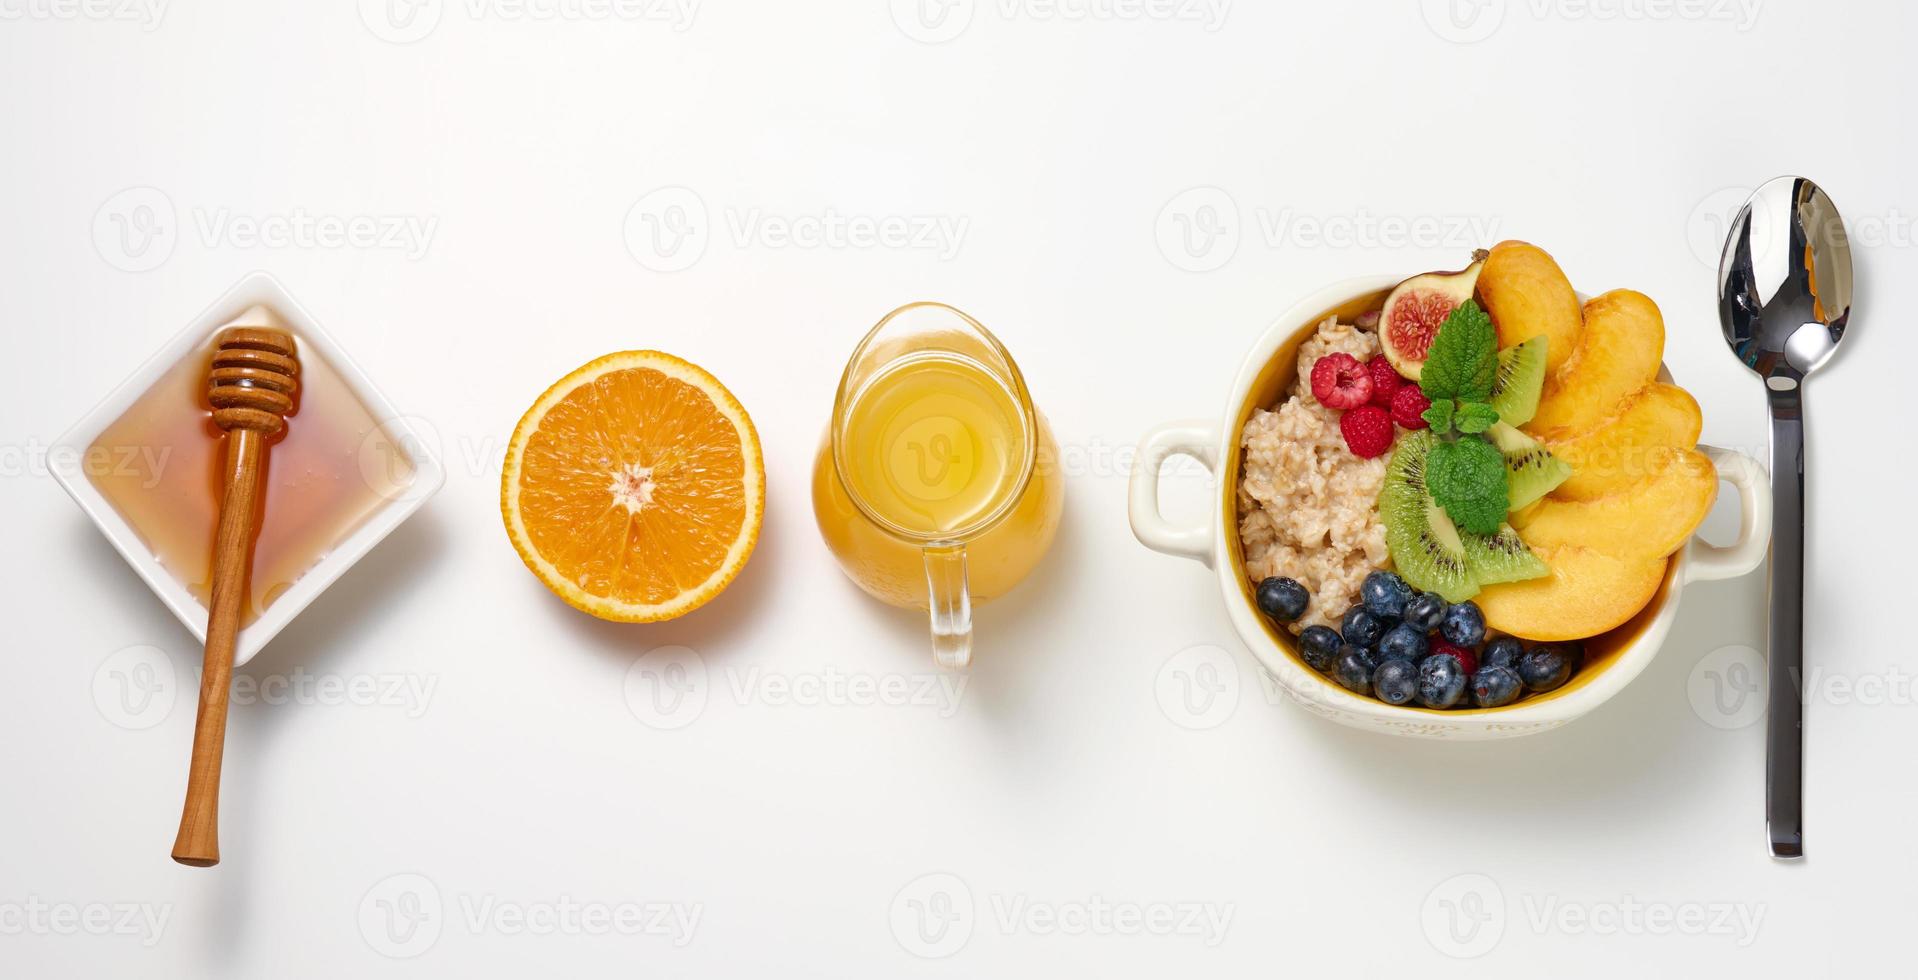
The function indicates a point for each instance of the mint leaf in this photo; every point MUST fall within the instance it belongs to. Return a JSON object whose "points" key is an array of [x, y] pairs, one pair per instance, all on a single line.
{"points": [[1467, 478], [1463, 360], [1439, 416], [1475, 417]]}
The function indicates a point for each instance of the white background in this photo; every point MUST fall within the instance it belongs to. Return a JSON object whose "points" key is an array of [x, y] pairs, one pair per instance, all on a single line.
{"points": [[1617, 137]]}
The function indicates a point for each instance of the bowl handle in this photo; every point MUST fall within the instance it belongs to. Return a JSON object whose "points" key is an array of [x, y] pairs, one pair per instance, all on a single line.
{"points": [[1194, 439], [1709, 561]]}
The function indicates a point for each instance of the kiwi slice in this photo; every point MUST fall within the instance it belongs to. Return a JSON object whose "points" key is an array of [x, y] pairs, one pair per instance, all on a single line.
{"points": [[1521, 375], [1531, 471], [1501, 557], [1425, 544]]}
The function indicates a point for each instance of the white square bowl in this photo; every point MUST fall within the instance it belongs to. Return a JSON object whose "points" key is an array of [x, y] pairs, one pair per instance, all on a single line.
{"points": [[258, 288]]}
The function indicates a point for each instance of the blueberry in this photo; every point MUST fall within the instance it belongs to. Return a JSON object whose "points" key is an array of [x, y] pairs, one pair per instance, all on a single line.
{"points": [[1395, 681], [1318, 647], [1425, 611], [1441, 682], [1544, 667], [1385, 594], [1464, 625], [1494, 687], [1574, 652], [1402, 642], [1361, 628], [1282, 599], [1502, 652], [1354, 669]]}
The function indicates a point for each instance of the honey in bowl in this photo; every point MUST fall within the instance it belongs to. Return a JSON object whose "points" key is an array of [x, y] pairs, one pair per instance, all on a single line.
{"points": [[332, 467]]}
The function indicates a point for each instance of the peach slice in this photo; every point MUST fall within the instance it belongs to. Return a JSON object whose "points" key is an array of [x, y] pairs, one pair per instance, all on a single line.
{"points": [[1650, 519], [1527, 296], [1618, 353], [1628, 447], [1587, 593]]}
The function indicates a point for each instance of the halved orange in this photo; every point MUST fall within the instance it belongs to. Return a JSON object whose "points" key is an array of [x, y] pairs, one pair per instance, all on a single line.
{"points": [[634, 487]]}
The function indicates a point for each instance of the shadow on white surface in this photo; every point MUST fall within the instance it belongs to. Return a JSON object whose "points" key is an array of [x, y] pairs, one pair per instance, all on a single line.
{"points": [[1008, 648], [1638, 746], [710, 629], [348, 616], [345, 619]]}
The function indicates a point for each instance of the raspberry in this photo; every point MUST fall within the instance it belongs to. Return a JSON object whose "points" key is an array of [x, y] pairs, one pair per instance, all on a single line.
{"points": [[1408, 407], [1385, 381], [1466, 658], [1367, 431], [1339, 381]]}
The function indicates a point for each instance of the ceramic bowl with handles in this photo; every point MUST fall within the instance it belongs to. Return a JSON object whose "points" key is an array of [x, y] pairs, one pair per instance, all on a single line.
{"points": [[1612, 660]]}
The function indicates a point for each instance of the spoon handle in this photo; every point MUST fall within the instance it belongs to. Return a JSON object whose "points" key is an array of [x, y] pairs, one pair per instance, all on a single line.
{"points": [[1785, 736]]}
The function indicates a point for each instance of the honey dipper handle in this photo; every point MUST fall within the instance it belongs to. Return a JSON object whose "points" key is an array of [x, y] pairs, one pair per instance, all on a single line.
{"points": [[198, 843]]}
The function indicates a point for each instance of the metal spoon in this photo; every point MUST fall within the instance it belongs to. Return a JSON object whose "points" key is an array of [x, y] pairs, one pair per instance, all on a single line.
{"points": [[1784, 300]]}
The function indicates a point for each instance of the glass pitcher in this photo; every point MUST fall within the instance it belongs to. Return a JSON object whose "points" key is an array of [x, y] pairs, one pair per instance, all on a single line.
{"points": [[936, 484]]}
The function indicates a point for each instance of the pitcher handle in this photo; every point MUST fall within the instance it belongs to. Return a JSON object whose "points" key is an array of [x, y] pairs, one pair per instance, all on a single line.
{"points": [[950, 605]]}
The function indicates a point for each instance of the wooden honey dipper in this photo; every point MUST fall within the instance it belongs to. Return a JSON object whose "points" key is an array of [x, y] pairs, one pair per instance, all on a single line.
{"points": [[251, 387]]}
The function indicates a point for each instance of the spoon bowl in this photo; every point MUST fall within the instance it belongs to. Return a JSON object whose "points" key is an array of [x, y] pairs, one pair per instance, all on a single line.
{"points": [[1784, 302], [1784, 282]]}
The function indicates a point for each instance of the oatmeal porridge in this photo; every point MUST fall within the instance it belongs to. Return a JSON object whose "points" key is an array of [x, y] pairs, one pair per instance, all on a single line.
{"points": [[1307, 505]]}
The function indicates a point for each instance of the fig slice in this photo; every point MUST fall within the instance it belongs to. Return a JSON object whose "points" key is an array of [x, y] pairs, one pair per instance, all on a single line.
{"points": [[1416, 307]]}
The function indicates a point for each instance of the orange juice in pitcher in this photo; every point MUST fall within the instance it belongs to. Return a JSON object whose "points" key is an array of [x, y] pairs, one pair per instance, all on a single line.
{"points": [[935, 484]]}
